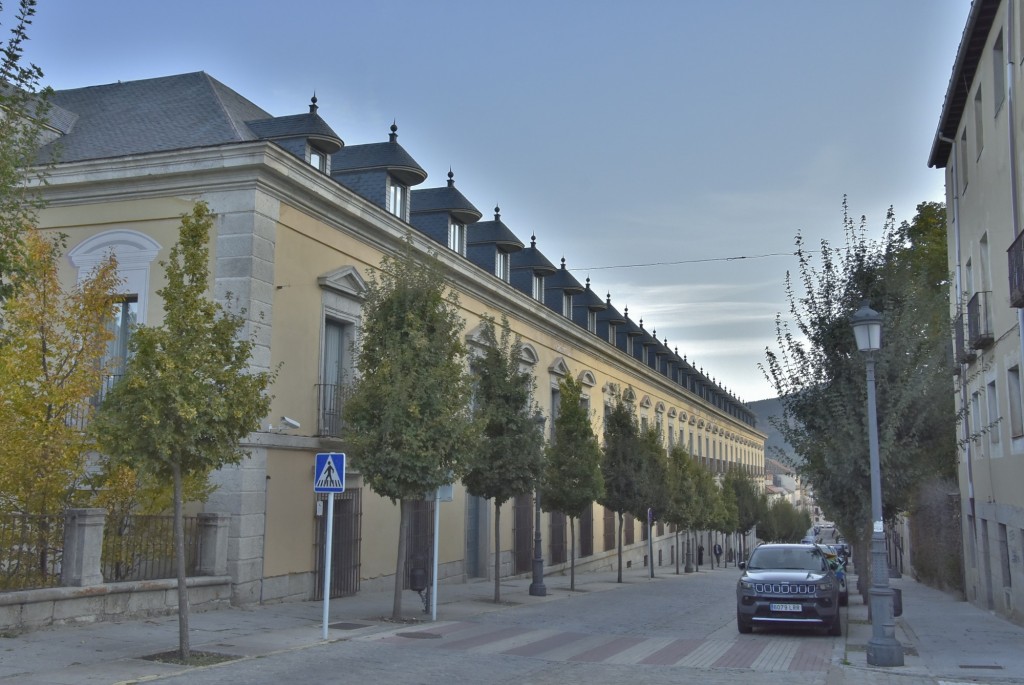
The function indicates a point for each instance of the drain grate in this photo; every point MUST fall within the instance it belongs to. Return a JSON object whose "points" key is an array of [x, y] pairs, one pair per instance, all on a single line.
{"points": [[422, 635], [346, 626]]}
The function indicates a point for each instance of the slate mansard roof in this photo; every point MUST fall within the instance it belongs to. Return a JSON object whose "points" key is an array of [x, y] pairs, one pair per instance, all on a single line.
{"points": [[189, 111], [151, 115], [447, 199], [390, 156]]}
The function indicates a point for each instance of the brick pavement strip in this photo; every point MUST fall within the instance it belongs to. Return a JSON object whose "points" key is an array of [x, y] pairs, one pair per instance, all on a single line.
{"points": [[742, 654], [777, 656]]}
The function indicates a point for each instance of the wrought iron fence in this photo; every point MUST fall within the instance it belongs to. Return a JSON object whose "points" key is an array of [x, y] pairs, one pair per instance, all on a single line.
{"points": [[142, 548], [31, 550]]}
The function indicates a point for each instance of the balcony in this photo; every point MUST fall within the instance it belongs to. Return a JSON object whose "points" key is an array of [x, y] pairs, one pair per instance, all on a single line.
{"points": [[1015, 256], [330, 398], [78, 417], [979, 321], [963, 354]]}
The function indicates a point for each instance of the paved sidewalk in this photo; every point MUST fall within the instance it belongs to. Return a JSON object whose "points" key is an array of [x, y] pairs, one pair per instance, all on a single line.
{"points": [[946, 641]]}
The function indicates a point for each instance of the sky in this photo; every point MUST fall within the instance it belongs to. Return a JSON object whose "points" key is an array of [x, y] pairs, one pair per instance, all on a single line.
{"points": [[670, 151]]}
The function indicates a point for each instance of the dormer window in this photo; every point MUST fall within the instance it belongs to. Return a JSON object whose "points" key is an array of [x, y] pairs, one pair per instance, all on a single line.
{"points": [[592, 321], [567, 305], [629, 345], [611, 332], [503, 265], [398, 198], [457, 237], [538, 287], [317, 159]]}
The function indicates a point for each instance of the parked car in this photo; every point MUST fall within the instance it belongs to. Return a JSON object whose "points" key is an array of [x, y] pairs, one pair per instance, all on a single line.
{"points": [[838, 561], [788, 585]]}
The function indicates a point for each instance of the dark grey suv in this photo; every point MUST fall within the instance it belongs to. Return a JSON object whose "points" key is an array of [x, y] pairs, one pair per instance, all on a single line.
{"points": [[787, 585]]}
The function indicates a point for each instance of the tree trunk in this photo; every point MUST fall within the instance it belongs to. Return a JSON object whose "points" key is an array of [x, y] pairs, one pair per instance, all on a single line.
{"points": [[679, 550], [403, 530], [179, 556], [620, 547], [572, 553], [862, 564], [497, 552]]}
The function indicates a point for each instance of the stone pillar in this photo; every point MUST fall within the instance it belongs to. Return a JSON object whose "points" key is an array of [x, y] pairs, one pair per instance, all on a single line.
{"points": [[213, 543], [83, 547]]}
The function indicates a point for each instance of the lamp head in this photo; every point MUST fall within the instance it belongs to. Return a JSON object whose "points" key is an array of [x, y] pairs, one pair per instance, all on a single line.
{"points": [[867, 328]]}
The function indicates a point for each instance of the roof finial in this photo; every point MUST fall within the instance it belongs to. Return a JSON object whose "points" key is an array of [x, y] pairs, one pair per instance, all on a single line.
{"points": [[608, 298], [451, 178], [497, 213], [588, 282], [563, 263], [533, 240], [394, 131], [625, 311], [312, 104], [641, 322]]}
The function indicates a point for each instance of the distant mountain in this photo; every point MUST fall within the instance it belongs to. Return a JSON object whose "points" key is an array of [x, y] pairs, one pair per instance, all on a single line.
{"points": [[765, 410]]}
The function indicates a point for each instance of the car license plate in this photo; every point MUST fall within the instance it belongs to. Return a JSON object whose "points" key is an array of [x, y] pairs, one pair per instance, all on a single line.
{"points": [[787, 607]]}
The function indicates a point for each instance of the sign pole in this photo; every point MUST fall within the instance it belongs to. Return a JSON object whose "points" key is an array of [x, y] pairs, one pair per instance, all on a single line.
{"points": [[327, 560], [328, 478], [437, 532]]}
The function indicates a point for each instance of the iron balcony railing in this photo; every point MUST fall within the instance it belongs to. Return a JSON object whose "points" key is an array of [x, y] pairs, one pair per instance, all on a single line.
{"points": [[979, 321], [330, 399], [1015, 257], [78, 417], [964, 354]]}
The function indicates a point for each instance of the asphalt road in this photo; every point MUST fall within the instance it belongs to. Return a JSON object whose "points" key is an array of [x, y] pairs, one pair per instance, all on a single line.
{"points": [[665, 630]]}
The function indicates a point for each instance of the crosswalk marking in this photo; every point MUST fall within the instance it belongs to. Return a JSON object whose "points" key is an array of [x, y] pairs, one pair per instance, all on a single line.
{"points": [[769, 654]]}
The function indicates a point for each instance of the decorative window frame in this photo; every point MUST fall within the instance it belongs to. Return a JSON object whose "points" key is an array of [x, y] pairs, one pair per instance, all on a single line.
{"points": [[342, 292], [135, 254]]}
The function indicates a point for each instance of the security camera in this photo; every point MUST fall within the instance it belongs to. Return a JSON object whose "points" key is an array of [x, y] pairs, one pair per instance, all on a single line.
{"points": [[289, 423]]}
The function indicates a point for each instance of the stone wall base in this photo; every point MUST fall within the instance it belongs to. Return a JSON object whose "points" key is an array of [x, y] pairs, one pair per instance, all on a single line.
{"points": [[31, 609]]}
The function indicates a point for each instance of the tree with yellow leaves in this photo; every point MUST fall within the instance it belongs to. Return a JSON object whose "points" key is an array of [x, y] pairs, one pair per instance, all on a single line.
{"points": [[50, 350]]}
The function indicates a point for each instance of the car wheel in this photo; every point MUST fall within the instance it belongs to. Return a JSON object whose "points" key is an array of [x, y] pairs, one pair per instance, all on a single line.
{"points": [[744, 625], [836, 629]]}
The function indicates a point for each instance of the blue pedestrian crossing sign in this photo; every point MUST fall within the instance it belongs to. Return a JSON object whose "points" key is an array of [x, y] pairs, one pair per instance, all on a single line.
{"points": [[329, 475]]}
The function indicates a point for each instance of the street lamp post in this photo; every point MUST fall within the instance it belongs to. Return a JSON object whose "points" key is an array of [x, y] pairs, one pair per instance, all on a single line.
{"points": [[537, 587], [883, 649]]}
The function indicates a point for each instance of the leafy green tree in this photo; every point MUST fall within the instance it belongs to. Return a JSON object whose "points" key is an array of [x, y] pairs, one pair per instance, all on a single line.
{"points": [[708, 495], [621, 464], [653, 477], [727, 514], [681, 509], [751, 504], [783, 522], [510, 459], [407, 418], [189, 394], [925, 250], [819, 374], [572, 474], [23, 109]]}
